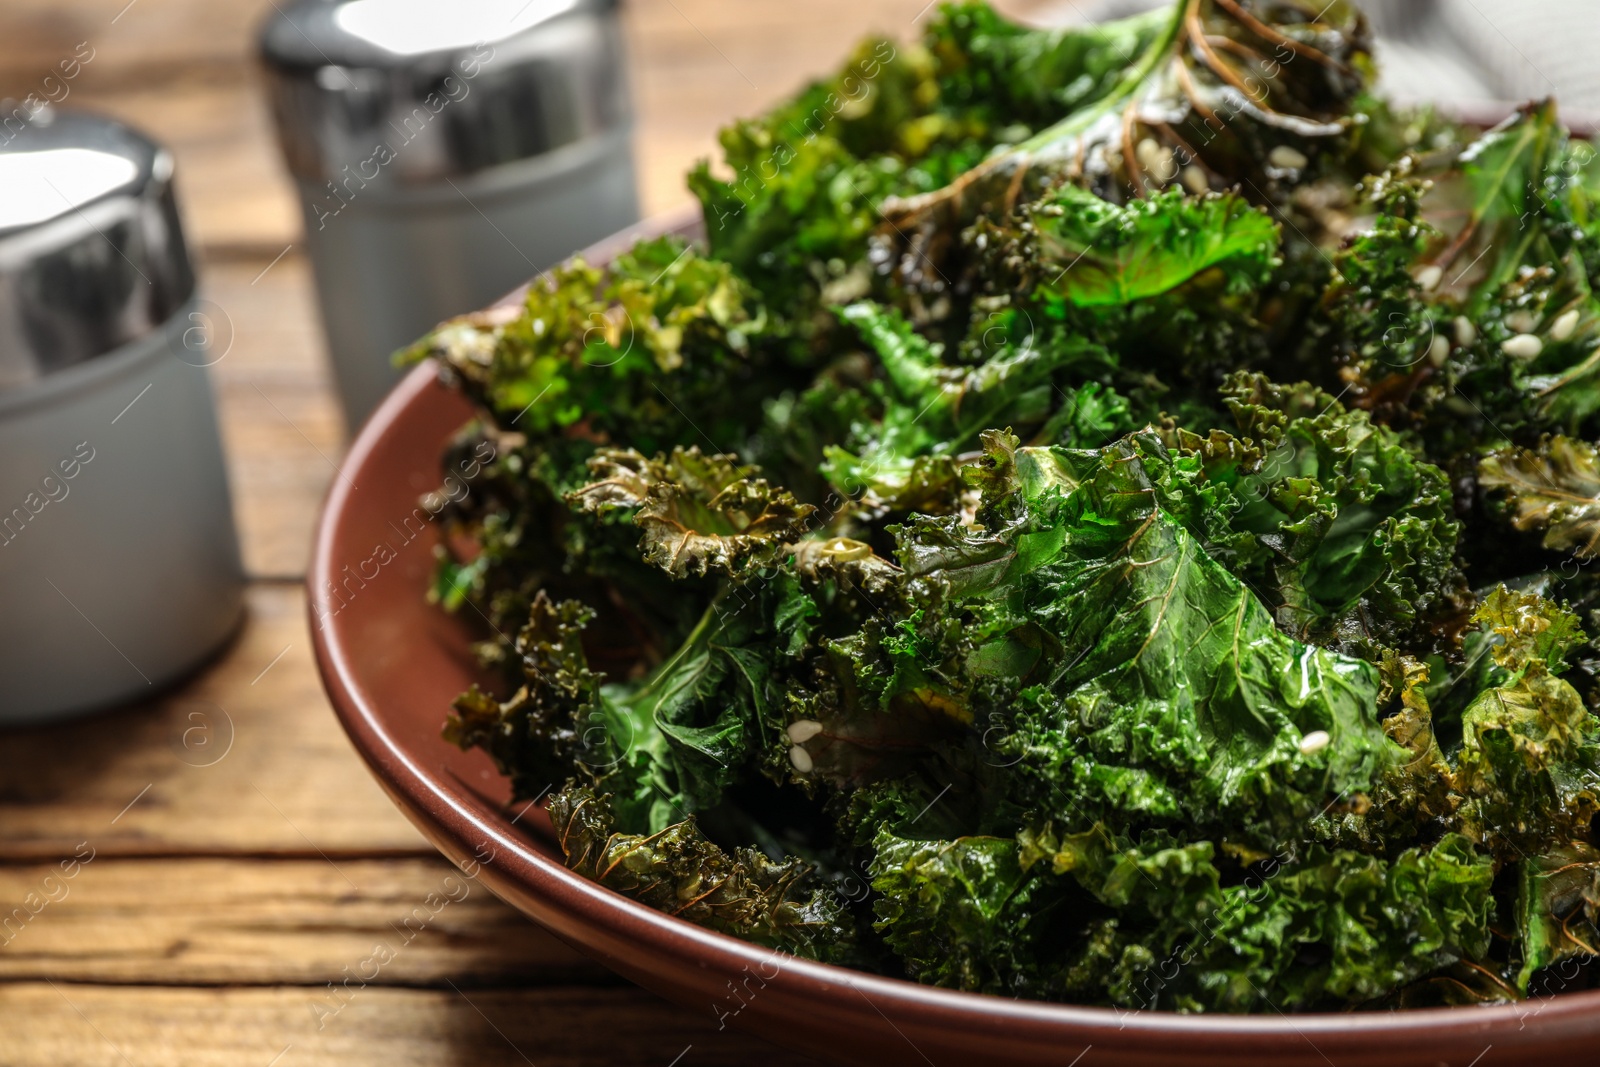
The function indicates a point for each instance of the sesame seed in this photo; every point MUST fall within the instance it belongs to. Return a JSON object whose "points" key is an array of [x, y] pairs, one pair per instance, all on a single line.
{"points": [[1286, 158], [1523, 321], [1565, 326], [1523, 346], [803, 730], [1156, 159], [1438, 351], [1314, 742], [1466, 332], [801, 759], [1429, 277], [1195, 180]]}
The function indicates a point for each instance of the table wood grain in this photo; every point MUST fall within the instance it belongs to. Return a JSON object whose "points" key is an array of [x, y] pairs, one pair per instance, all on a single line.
{"points": [[212, 877]]}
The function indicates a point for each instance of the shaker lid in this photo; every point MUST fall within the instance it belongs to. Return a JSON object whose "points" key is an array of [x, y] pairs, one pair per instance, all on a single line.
{"points": [[412, 92], [92, 254]]}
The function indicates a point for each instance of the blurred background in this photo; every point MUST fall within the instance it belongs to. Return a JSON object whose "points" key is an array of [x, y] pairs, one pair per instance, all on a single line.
{"points": [[231, 861]]}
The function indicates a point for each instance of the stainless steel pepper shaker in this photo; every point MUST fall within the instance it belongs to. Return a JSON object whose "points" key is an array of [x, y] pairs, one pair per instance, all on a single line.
{"points": [[444, 153], [119, 562]]}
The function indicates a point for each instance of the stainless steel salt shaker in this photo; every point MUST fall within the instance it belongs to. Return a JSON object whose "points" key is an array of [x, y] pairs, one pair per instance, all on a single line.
{"points": [[119, 563], [444, 153]]}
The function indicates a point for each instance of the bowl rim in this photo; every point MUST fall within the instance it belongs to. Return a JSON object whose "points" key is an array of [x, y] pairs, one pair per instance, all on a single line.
{"points": [[462, 824]]}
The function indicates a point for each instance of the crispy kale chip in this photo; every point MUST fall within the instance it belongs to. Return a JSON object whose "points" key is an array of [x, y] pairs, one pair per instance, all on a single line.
{"points": [[592, 359], [1223, 94], [1518, 772], [699, 513], [929, 409], [1529, 765], [1387, 337], [535, 736], [1466, 306], [1124, 667], [1106, 515], [1552, 490], [678, 870], [1558, 912], [959, 913], [1090, 253], [802, 187], [1370, 927], [1158, 686], [1299, 933], [663, 746], [621, 352], [1354, 537]]}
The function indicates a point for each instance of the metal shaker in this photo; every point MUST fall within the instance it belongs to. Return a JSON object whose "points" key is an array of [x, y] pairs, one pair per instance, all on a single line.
{"points": [[119, 562], [444, 154]]}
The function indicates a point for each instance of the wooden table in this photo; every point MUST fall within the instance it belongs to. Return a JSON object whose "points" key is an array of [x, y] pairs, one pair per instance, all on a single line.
{"points": [[233, 865]]}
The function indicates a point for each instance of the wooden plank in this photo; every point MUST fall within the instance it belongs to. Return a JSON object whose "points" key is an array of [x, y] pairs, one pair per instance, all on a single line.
{"points": [[96, 1026], [143, 780], [244, 921], [131, 41]]}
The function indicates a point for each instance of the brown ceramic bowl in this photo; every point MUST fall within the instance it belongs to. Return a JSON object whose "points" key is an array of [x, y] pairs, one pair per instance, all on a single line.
{"points": [[392, 664]]}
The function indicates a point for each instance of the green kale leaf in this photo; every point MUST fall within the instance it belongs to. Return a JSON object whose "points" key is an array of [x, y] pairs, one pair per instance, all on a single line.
{"points": [[1360, 534], [621, 351], [678, 870], [699, 514], [803, 184], [1529, 763], [1343, 928], [959, 913], [1222, 94], [1090, 253], [930, 409], [535, 736], [1558, 898], [1552, 490]]}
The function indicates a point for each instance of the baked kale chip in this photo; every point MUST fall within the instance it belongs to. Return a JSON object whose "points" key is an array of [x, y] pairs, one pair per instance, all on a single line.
{"points": [[1106, 514]]}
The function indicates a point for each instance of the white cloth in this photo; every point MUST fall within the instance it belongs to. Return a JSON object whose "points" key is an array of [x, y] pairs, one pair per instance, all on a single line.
{"points": [[1450, 51]]}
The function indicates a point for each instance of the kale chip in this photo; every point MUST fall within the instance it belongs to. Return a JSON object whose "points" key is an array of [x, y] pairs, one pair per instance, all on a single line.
{"points": [[1107, 514]]}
